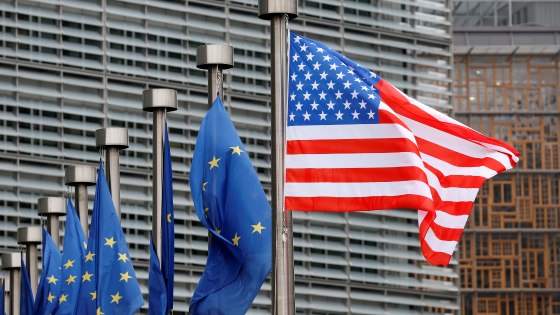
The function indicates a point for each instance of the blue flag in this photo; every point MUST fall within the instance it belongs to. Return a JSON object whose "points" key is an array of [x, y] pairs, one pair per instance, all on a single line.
{"points": [[156, 285], [109, 284], [26, 297], [167, 227], [2, 298], [230, 201], [49, 285], [73, 257]]}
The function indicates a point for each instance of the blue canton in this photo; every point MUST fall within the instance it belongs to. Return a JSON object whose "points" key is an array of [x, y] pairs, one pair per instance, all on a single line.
{"points": [[327, 88]]}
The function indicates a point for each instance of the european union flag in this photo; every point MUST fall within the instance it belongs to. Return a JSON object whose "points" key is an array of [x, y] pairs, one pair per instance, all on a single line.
{"points": [[167, 227], [49, 285], [73, 257], [156, 284], [109, 284], [26, 297], [230, 201]]}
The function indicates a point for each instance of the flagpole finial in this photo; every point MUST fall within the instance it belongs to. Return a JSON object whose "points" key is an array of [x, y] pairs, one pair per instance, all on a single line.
{"points": [[81, 176], [159, 98], [268, 8], [52, 208], [215, 59]]}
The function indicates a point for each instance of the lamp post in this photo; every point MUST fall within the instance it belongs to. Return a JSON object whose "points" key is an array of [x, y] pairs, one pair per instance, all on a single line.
{"points": [[12, 262], [81, 176], [158, 101], [31, 236], [113, 140], [52, 208], [283, 297]]}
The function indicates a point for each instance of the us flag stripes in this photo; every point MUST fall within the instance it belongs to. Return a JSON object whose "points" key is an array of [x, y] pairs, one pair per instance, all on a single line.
{"points": [[356, 143]]}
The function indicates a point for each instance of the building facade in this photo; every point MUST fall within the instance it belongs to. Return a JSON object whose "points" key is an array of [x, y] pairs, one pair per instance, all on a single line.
{"points": [[68, 68], [506, 86]]}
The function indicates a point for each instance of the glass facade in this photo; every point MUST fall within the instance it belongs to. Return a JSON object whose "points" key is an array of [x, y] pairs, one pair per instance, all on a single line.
{"points": [[506, 13], [69, 67]]}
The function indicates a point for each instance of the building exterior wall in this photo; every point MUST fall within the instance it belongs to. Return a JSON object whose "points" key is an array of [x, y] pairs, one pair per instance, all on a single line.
{"points": [[68, 68]]}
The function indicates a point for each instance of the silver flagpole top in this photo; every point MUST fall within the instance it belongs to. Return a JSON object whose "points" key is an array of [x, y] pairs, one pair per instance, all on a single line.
{"points": [[29, 235], [52, 206], [267, 8], [159, 98], [211, 55], [11, 261], [80, 174], [113, 137]]}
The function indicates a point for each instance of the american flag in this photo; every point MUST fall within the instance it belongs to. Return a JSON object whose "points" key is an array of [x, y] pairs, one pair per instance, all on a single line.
{"points": [[356, 143]]}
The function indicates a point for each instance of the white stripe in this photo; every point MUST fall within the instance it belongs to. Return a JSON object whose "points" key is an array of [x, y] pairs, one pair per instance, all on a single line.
{"points": [[450, 193], [438, 245], [357, 131], [449, 169], [411, 187], [355, 160], [421, 215], [447, 220], [454, 143]]}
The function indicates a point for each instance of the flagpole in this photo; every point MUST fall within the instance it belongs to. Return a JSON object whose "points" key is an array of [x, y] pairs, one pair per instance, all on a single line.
{"points": [[31, 236], [113, 140], [52, 208], [283, 296], [81, 176], [7, 296], [12, 262], [158, 101]]}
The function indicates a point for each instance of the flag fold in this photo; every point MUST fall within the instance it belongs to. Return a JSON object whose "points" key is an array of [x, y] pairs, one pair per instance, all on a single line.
{"points": [[167, 227], [47, 300], [26, 299], [156, 285]]}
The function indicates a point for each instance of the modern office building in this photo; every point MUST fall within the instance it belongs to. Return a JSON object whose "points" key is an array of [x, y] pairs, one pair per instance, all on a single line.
{"points": [[70, 67], [506, 87]]}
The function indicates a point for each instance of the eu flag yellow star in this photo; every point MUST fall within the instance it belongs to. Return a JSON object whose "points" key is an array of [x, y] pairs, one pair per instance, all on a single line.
{"points": [[87, 276], [204, 186], [125, 276], [93, 295], [110, 242], [169, 217], [99, 311], [236, 240], [70, 279], [69, 263], [90, 256], [63, 298], [236, 150], [52, 279], [51, 297], [122, 257], [116, 298], [258, 228], [205, 214], [214, 162], [218, 231]]}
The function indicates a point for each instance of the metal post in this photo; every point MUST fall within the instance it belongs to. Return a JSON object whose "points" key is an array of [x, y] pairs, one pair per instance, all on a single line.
{"points": [[214, 58], [52, 208], [12, 262], [283, 296], [113, 140], [158, 101], [6, 297], [81, 176], [31, 236]]}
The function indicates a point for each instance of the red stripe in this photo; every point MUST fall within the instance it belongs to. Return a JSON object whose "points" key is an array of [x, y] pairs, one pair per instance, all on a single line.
{"points": [[456, 158], [445, 233], [460, 181], [387, 117], [435, 258], [355, 175], [343, 204], [351, 146]]}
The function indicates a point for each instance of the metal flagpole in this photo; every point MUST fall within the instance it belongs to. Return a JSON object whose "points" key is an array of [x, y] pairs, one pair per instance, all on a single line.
{"points": [[158, 101], [12, 262], [283, 297], [214, 58], [52, 208], [31, 236], [113, 140], [81, 176], [6, 297]]}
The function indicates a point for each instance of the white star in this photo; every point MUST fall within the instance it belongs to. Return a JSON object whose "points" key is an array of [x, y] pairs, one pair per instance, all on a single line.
{"points": [[306, 96], [372, 88], [355, 114], [364, 87], [316, 66], [310, 56], [371, 74], [330, 105], [327, 58], [314, 85], [292, 116], [307, 76], [303, 48], [293, 97], [297, 39], [357, 80], [362, 104], [347, 84], [323, 75], [339, 115], [371, 114], [331, 85], [299, 105], [354, 95], [346, 105], [319, 49], [340, 75], [338, 95], [322, 95], [334, 66], [294, 76], [299, 86], [314, 105], [351, 71], [323, 115], [296, 56], [371, 96], [301, 66], [306, 116]]}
